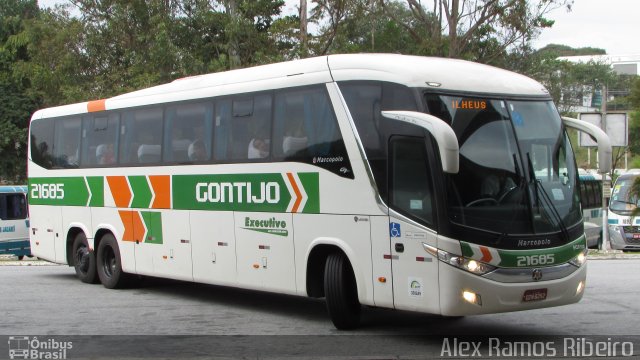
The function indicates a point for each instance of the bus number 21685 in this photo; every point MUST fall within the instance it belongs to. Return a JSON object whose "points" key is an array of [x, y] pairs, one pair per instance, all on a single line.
{"points": [[47, 191], [535, 260]]}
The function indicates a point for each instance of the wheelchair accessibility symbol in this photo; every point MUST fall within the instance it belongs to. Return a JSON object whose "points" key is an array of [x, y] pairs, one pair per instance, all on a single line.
{"points": [[394, 230]]}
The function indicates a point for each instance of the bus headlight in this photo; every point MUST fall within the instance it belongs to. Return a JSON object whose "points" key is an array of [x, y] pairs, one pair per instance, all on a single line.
{"points": [[461, 262], [580, 259]]}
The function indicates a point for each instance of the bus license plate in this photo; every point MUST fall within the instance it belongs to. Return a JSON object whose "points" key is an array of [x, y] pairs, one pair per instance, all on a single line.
{"points": [[534, 295]]}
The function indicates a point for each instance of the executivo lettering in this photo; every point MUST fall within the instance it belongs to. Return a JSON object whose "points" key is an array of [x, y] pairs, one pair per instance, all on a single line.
{"points": [[269, 226]]}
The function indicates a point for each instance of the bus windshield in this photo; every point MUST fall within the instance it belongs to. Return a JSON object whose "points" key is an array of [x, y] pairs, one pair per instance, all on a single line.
{"points": [[517, 170], [623, 199]]}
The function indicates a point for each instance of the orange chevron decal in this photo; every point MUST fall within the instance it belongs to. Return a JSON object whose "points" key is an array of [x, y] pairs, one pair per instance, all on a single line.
{"points": [[161, 185], [134, 229], [120, 190], [295, 190], [486, 254]]}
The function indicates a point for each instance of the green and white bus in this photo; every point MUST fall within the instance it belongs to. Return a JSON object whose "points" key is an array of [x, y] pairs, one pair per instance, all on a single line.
{"points": [[424, 184]]}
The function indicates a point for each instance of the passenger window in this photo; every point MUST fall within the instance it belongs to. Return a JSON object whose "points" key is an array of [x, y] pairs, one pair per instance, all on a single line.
{"points": [[100, 136], [243, 128], [13, 207], [42, 142], [188, 135], [366, 100], [411, 188], [306, 130], [67, 143], [141, 134]]}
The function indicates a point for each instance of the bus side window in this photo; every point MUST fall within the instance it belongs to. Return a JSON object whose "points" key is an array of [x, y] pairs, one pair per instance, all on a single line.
{"points": [[188, 133], [250, 128], [67, 142], [141, 136], [99, 139], [13, 207], [411, 189], [305, 129], [42, 142], [222, 130]]}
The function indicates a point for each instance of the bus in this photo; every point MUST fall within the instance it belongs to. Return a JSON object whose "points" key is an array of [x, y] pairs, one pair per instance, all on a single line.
{"points": [[383, 180], [624, 227], [591, 197], [14, 221]]}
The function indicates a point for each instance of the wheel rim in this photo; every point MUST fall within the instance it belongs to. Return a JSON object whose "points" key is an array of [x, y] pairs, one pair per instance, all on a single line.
{"points": [[109, 261], [82, 259]]}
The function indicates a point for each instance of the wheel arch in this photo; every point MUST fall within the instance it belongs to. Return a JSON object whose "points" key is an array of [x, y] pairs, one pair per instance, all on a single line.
{"points": [[317, 255]]}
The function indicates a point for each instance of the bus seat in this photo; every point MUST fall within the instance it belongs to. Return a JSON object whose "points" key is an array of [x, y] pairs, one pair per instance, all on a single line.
{"points": [[149, 153]]}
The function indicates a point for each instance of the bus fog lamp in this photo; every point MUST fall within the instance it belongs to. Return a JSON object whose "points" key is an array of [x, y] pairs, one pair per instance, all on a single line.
{"points": [[472, 298], [580, 287]]}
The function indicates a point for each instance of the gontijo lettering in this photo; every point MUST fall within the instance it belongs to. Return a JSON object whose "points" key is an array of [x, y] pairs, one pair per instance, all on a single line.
{"points": [[227, 192]]}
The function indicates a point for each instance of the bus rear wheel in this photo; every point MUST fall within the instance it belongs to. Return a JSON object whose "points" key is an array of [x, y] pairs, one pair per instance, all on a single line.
{"points": [[109, 264], [84, 260], [341, 292]]}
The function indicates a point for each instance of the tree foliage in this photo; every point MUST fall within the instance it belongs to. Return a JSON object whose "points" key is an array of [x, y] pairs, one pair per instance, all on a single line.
{"points": [[91, 49]]}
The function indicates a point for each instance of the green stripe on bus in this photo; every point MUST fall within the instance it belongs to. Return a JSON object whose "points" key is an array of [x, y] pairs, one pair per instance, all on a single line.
{"points": [[244, 192], [153, 223], [96, 186], [61, 191], [141, 192], [522, 258]]}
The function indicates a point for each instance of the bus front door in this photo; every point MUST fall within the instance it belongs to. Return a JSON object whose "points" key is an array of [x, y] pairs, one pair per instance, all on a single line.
{"points": [[411, 220]]}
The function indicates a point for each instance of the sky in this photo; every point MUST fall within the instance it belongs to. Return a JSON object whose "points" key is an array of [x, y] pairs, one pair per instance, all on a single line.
{"points": [[613, 25]]}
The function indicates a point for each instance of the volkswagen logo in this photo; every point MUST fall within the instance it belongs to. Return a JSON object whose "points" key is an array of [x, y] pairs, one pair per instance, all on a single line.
{"points": [[536, 275]]}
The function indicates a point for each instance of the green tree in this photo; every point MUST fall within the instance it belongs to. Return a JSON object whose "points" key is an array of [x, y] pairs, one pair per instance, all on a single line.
{"points": [[17, 101]]}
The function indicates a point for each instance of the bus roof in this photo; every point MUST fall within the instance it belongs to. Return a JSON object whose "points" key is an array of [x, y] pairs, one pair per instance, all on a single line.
{"points": [[13, 189], [413, 71]]}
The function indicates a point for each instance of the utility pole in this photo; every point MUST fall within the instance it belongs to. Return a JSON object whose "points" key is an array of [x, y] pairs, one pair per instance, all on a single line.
{"points": [[604, 241]]}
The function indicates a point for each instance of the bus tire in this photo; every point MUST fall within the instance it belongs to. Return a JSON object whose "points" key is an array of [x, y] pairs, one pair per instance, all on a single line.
{"points": [[109, 264], [341, 292], [84, 260], [20, 257]]}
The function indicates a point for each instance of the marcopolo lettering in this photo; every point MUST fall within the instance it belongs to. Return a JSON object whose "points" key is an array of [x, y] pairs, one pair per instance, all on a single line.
{"points": [[238, 192]]}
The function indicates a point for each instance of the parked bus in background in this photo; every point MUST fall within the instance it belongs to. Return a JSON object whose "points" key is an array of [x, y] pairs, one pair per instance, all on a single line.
{"points": [[14, 221], [591, 197], [624, 229], [425, 184]]}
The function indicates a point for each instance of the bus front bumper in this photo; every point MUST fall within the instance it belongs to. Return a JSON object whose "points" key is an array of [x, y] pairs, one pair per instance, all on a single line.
{"points": [[463, 293]]}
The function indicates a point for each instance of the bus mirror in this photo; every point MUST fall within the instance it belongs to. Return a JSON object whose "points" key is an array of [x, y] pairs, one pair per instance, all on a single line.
{"points": [[604, 144], [440, 130]]}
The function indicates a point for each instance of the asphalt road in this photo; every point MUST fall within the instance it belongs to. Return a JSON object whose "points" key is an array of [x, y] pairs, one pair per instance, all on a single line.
{"points": [[50, 301]]}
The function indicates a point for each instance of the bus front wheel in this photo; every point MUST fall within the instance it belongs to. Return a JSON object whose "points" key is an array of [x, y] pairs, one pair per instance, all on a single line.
{"points": [[109, 264], [341, 292]]}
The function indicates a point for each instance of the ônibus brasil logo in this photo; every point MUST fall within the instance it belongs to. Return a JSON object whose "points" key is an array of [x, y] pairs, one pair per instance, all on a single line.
{"points": [[25, 347]]}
